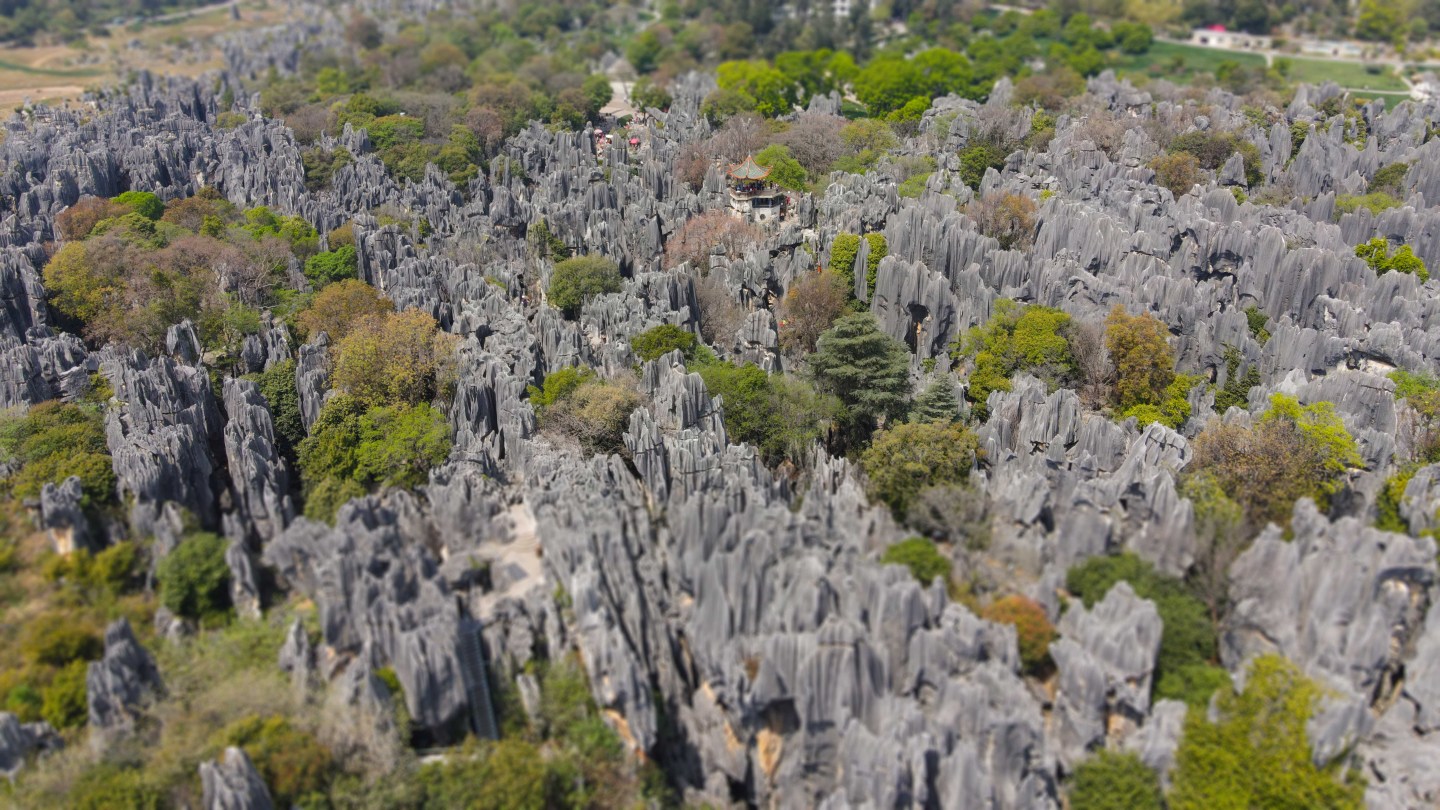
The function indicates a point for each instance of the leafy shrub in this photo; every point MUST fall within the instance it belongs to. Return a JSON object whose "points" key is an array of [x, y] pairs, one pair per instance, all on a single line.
{"points": [[657, 341], [1292, 452], [290, 760], [1377, 255], [1173, 408], [109, 785], [1211, 149], [1236, 393], [339, 306], [63, 701], [57, 639], [1008, 217], [277, 385], [558, 385], [1187, 641], [842, 259], [779, 414], [328, 495], [577, 280], [332, 266], [1033, 630], [394, 358], [77, 221], [978, 157], [1015, 339], [1178, 172], [1111, 781], [1257, 754], [54, 441], [1374, 202], [921, 557], [143, 203], [908, 458], [1388, 500], [1390, 178], [592, 411], [879, 249], [194, 579]]}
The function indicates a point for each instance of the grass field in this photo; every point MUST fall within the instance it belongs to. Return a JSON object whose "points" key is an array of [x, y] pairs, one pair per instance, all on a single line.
{"points": [[1345, 74], [59, 73], [1182, 63]]}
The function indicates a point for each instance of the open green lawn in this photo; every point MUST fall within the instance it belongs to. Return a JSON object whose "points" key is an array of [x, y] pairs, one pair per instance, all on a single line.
{"points": [[1182, 63], [1345, 74]]}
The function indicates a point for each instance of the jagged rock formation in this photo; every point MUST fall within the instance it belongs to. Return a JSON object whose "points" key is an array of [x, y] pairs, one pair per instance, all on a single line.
{"points": [[119, 685], [735, 623], [19, 741], [231, 783]]}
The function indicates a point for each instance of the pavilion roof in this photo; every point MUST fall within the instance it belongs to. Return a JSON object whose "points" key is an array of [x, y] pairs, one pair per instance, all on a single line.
{"points": [[748, 169]]}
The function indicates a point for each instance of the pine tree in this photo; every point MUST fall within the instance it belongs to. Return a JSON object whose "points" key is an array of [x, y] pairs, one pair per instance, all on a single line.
{"points": [[865, 368], [936, 403]]}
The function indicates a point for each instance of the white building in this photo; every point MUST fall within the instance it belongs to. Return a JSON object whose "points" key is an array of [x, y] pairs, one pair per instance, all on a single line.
{"points": [[1217, 37]]}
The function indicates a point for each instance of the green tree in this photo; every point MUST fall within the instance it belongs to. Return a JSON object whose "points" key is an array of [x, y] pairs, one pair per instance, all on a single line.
{"points": [[842, 259], [576, 280], [399, 445], [888, 83], [1144, 366], [906, 459], [277, 385], [1016, 338], [194, 578], [1111, 781], [1033, 630], [785, 170], [1258, 754], [976, 158], [143, 203], [936, 403], [764, 89], [331, 266], [657, 341], [394, 358], [1381, 21], [866, 369], [779, 414], [879, 249], [921, 557]]}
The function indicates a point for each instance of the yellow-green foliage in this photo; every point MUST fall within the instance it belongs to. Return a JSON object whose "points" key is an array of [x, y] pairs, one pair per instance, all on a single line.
{"points": [[54, 441], [1111, 781], [1258, 754], [842, 258], [906, 459], [1377, 255], [1144, 366], [1016, 338], [290, 760], [921, 557]]}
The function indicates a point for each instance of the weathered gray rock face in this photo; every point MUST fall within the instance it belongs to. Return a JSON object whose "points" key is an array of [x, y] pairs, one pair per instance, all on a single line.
{"points": [[1106, 659], [259, 479], [160, 429], [232, 783], [62, 518], [120, 685], [19, 741], [383, 603], [1345, 602], [734, 620]]}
